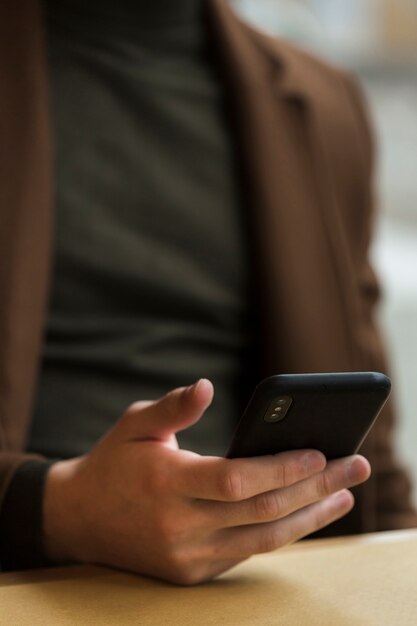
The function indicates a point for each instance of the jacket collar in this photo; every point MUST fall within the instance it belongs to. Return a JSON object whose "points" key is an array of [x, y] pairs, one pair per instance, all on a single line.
{"points": [[293, 73]]}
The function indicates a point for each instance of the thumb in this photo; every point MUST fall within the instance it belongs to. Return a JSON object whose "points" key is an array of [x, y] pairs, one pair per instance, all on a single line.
{"points": [[172, 413]]}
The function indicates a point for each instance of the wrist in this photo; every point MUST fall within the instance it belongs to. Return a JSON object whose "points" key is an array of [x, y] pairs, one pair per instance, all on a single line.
{"points": [[62, 513]]}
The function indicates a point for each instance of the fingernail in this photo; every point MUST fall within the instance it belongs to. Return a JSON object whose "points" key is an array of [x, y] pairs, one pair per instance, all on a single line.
{"points": [[355, 470], [314, 462], [192, 389]]}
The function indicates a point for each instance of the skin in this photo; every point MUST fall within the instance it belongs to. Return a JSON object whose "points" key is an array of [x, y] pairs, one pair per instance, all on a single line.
{"points": [[139, 503]]}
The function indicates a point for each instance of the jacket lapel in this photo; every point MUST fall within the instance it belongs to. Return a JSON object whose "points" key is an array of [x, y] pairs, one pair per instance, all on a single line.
{"points": [[281, 103]]}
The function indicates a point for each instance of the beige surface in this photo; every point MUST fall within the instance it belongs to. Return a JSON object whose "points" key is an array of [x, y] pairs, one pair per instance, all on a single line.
{"points": [[336, 583]]}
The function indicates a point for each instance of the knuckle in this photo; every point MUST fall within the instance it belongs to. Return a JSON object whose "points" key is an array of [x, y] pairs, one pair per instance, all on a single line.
{"points": [[283, 474], [231, 484], [324, 485], [271, 540], [268, 506]]}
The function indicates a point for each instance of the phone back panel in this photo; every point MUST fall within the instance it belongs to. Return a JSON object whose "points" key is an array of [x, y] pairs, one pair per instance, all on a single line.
{"points": [[329, 412]]}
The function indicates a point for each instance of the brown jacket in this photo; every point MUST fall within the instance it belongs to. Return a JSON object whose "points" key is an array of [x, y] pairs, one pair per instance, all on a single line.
{"points": [[307, 151]]}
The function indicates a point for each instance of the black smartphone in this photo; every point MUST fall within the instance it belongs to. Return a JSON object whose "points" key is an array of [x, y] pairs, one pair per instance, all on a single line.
{"points": [[332, 413]]}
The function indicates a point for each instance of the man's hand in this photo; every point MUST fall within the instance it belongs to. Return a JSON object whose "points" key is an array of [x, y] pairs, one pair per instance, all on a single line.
{"points": [[138, 503]]}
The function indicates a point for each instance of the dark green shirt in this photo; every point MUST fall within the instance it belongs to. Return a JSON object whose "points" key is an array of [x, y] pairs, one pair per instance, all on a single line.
{"points": [[151, 276]]}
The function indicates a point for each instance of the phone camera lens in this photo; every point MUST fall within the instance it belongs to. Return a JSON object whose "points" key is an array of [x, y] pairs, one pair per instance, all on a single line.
{"points": [[277, 410], [273, 417]]}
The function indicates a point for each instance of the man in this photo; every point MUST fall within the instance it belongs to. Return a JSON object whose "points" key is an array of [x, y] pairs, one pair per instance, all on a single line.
{"points": [[212, 207]]}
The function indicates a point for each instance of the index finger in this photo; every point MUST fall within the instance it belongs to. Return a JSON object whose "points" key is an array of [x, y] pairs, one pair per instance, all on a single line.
{"points": [[232, 480]]}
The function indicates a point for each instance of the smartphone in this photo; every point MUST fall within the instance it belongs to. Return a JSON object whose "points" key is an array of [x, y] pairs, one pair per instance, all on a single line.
{"points": [[332, 413]]}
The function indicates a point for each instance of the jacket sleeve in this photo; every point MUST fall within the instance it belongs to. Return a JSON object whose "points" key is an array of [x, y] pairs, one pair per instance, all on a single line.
{"points": [[25, 238], [393, 500], [21, 517]]}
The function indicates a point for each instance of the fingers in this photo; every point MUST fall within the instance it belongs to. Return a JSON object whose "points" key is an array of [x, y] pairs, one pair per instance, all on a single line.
{"points": [[241, 542], [234, 480], [158, 420], [279, 503]]}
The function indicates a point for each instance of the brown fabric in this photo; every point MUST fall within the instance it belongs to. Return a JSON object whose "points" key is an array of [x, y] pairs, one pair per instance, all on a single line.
{"points": [[25, 220], [307, 151]]}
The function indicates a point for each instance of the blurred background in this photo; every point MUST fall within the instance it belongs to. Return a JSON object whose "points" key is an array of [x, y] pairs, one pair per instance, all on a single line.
{"points": [[377, 39]]}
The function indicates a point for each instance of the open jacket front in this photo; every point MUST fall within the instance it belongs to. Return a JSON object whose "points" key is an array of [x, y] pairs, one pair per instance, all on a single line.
{"points": [[307, 152]]}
